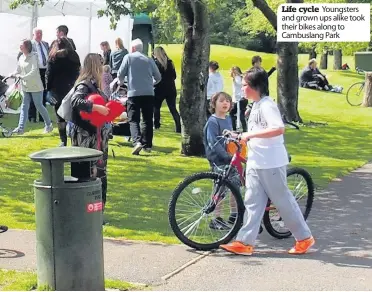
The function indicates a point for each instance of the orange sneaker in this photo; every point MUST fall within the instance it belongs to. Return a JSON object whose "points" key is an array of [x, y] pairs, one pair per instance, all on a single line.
{"points": [[302, 246], [237, 247]]}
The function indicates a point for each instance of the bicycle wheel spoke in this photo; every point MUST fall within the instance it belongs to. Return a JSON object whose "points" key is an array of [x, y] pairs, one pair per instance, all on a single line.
{"points": [[195, 217]]}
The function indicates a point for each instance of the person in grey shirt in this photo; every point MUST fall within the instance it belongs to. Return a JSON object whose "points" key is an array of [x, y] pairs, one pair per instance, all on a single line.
{"points": [[141, 72]]}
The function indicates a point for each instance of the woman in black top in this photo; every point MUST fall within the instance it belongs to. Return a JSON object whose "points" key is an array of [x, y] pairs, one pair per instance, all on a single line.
{"points": [[83, 133], [105, 47], [166, 88], [63, 68]]}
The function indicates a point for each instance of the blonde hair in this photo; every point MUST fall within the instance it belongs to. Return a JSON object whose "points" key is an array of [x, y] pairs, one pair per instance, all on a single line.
{"points": [[312, 61], [106, 68], [91, 69], [119, 43], [161, 56]]}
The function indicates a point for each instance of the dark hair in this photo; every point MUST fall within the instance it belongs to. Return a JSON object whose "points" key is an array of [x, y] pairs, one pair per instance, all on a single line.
{"points": [[27, 44], [63, 28], [257, 79], [237, 69], [213, 65], [60, 47], [256, 59], [215, 97]]}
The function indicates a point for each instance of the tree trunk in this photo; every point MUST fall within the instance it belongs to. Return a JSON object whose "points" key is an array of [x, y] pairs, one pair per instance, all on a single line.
{"points": [[287, 87], [337, 59], [367, 100], [287, 66], [324, 61], [194, 75]]}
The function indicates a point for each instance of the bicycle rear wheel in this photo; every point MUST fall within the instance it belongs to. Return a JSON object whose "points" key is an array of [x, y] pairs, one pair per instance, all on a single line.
{"points": [[192, 216], [354, 95], [301, 185]]}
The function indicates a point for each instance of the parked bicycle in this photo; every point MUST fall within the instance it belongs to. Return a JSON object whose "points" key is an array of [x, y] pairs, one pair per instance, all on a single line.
{"points": [[197, 199], [354, 95]]}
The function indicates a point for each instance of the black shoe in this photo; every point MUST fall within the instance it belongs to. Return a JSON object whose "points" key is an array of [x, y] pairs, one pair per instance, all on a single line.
{"points": [[232, 218], [219, 224], [261, 229], [62, 144]]}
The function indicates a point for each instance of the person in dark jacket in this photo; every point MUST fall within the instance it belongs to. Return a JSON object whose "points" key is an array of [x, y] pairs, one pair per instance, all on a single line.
{"points": [[105, 47], [83, 133], [63, 68], [62, 31], [166, 88], [116, 57]]}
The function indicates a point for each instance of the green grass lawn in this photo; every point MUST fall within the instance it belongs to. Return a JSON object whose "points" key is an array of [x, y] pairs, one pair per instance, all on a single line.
{"points": [[26, 281], [140, 187]]}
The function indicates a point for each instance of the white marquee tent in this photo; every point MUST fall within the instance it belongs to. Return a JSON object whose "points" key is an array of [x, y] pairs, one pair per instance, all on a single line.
{"points": [[85, 28]]}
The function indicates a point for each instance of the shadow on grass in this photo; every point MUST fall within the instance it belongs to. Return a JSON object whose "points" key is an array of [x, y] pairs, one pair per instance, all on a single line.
{"points": [[353, 75]]}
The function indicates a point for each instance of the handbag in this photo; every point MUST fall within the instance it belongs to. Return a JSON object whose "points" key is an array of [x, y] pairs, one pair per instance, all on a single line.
{"points": [[15, 98], [65, 109]]}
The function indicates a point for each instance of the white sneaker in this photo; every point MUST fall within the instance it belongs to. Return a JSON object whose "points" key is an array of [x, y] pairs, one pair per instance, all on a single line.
{"points": [[48, 129], [18, 131]]}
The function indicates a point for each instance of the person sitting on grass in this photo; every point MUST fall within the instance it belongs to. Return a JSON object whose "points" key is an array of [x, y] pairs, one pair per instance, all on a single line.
{"points": [[312, 78], [216, 153], [266, 171]]}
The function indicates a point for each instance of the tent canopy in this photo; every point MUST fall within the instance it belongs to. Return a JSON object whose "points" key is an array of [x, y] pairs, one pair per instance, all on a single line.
{"points": [[80, 16], [142, 18]]}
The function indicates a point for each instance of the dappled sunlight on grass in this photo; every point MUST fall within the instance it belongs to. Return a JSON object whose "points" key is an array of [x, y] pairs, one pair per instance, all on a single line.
{"points": [[139, 187]]}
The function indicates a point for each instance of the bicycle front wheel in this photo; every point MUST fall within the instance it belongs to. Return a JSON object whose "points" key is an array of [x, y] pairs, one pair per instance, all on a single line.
{"points": [[301, 184], [354, 95], [195, 217]]}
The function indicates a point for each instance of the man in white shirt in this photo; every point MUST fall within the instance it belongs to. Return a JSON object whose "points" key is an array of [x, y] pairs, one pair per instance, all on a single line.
{"points": [[42, 49]]}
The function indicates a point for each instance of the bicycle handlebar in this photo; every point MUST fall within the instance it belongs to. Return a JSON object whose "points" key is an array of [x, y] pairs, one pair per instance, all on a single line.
{"points": [[17, 79], [359, 71], [228, 136]]}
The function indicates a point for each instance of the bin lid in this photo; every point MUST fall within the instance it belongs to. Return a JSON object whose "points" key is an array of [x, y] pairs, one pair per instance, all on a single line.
{"points": [[66, 154]]}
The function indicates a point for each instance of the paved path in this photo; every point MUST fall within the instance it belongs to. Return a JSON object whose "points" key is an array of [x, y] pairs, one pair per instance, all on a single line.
{"points": [[342, 259]]}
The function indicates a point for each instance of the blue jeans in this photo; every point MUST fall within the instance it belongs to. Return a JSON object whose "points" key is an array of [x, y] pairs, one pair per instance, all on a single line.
{"points": [[37, 98]]}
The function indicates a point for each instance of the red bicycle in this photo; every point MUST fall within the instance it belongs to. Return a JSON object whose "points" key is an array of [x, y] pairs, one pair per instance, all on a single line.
{"points": [[204, 196]]}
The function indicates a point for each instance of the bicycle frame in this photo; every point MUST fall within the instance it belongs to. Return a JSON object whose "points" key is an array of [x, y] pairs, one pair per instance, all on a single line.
{"points": [[237, 162]]}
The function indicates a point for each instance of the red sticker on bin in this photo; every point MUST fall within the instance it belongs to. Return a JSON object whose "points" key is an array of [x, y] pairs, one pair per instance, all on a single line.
{"points": [[94, 207]]}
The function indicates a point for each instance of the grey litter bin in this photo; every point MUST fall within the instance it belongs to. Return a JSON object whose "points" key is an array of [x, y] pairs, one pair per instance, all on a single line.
{"points": [[69, 239], [363, 60]]}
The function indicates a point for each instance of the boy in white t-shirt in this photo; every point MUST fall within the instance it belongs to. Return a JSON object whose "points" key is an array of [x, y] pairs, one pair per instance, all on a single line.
{"points": [[266, 170]]}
